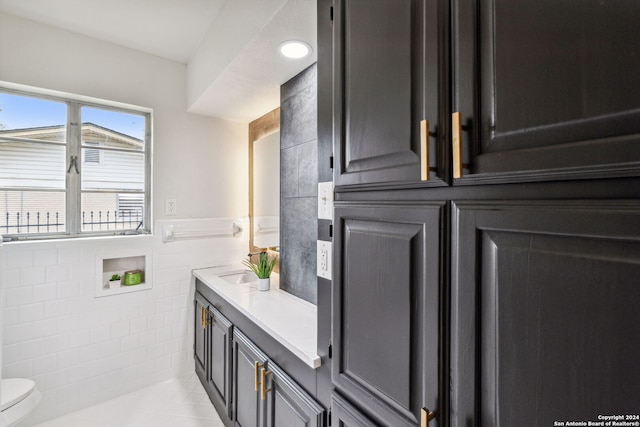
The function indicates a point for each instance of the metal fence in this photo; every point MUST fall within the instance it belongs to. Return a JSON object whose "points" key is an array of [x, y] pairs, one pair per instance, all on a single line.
{"points": [[125, 220], [53, 222]]}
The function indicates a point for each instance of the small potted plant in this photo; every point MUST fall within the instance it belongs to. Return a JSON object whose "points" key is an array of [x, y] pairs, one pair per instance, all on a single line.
{"points": [[114, 282], [262, 269]]}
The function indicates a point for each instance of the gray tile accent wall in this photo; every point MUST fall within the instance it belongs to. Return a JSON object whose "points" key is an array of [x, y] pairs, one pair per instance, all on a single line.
{"points": [[299, 185]]}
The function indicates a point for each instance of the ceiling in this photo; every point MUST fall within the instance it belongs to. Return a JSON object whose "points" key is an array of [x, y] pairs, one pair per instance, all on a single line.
{"points": [[230, 46]]}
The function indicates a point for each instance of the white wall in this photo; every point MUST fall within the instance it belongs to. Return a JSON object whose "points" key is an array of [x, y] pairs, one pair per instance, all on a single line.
{"points": [[80, 349]]}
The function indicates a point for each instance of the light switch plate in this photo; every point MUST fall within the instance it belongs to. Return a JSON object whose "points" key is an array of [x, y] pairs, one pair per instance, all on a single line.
{"points": [[325, 200], [324, 259]]}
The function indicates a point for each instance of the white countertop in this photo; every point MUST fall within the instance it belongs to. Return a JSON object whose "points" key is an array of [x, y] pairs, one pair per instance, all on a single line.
{"points": [[290, 320]]}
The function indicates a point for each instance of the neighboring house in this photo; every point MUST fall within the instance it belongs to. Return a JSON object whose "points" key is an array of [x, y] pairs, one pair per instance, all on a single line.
{"points": [[40, 169]]}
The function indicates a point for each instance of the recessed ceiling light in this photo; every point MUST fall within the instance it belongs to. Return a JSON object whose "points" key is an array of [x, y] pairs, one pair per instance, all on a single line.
{"points": [[295, 49]]}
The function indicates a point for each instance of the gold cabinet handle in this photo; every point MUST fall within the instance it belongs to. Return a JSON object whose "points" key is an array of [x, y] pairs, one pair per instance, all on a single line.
{"points": [[456, 141], [202, 321], [263, 390], [426, 416], [257, 366], [424, 150]]}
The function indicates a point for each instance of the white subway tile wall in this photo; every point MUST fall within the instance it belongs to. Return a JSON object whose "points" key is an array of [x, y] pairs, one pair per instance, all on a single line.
{"points": [[82, 350]]}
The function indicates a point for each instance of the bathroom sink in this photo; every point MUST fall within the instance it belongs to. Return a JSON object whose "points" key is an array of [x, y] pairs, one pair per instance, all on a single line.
{"points": [[236, 277]]}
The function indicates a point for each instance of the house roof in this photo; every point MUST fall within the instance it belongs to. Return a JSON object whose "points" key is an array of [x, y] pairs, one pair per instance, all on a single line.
{"points": [[91, 133]]}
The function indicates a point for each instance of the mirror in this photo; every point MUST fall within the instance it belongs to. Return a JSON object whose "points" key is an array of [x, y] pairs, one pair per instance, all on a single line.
{"points": [[264, 182]]}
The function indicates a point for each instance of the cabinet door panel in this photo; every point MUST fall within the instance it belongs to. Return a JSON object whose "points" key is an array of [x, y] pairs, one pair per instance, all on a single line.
{"points": [[246, 406], [200, 336], [343, 414], [219, 371], [288, 405], [548, 90], [386, 305], [380, 75], [544, 318]]}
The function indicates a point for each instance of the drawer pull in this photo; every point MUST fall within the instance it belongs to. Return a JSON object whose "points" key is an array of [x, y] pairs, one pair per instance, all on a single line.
{"points": [[426, 416], [263, 382], [424, 150], [456, 142], [257, 366]]}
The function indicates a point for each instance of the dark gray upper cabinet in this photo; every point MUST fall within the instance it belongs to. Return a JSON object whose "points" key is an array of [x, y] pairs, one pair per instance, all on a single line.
{"points": [[545, 299], [385, 83], [387, 306], [544, 91], [547, 90]]}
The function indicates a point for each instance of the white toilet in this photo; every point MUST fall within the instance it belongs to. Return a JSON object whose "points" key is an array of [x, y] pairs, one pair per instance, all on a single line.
{"points": [[19, 397]]}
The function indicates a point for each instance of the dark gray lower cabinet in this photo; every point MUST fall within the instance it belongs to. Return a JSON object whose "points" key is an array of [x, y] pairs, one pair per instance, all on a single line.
{"points": [[212, 352], [387, 308], [200, 336], [287, 404], [545, 299], [264, 395], [343, 414], [248, 361], [219, 373]]}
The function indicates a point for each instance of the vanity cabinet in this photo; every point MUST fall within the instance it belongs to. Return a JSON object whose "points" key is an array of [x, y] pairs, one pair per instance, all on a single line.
{"points": [[387, 307], [249, 364], [264, 395], [247, 387], [200, 339], [344, 414], [212, 352]]}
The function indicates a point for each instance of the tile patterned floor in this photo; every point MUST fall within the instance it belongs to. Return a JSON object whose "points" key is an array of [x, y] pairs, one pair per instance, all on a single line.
{"points": [[180, 402]]}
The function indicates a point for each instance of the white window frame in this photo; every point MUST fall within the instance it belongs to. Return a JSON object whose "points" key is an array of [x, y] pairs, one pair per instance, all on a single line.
{"points": [[73, 181]]}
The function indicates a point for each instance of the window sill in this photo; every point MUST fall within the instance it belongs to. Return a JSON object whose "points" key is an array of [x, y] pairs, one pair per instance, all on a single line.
{"points": [[78, 238]]}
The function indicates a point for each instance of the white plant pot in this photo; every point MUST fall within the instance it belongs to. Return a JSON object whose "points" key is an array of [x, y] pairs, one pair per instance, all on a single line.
{"points": [[114, 283], [264, 284]]}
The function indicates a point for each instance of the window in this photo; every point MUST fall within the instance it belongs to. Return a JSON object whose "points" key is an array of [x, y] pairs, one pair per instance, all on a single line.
{"points": [[72, 168]]}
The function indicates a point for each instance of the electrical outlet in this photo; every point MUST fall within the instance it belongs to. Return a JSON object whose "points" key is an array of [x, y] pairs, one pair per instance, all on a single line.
{"points": [[325, 200], [171, 207], [324, 259]]}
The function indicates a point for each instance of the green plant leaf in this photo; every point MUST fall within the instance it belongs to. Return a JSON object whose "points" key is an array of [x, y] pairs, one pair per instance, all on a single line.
{"points": [[264, 266]]}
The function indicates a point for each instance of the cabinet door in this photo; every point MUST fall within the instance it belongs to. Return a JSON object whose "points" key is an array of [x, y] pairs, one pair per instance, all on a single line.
{"points": [[545, 301], [287, 404], [343, 414], [387, 289], [200, 336], [247, 409], [385, 81], [218, 376], [547, 89]]}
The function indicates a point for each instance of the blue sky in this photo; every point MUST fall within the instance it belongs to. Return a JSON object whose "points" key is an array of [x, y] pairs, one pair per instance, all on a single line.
{"points": [[17, 112]]}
